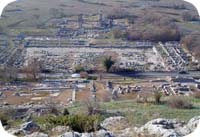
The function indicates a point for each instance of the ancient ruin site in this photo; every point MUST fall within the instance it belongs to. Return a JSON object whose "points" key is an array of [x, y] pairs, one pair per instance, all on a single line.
{"points": [[76, 44], [99, 68]]}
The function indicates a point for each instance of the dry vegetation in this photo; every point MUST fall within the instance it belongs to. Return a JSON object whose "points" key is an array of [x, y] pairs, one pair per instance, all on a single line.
{"points": [[191, 43], [197, 94], [179, 103], [151, 27]]}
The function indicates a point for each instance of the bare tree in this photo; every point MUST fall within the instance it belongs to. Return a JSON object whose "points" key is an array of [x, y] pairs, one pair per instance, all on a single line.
{"points": [[9, 73], [92, 107], [188, 16], [118, 13], [33, 69]]}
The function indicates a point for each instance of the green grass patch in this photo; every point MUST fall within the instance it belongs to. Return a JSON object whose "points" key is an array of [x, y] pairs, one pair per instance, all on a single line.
{"points": [[144, 112]]}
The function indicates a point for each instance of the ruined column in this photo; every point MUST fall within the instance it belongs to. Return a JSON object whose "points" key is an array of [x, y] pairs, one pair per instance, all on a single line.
{"points": [[80, 21], [93, 90], [100, 20], [75, 89]]}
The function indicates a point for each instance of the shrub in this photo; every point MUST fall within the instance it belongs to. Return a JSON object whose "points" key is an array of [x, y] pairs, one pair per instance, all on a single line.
{"points": [[79, 123], [196, 95], [52, 109], [187, 16], [4, 119], [65, 112], [84, 74], [92, 78], [179, 102], [118, 34], [79, 69], [142, 98], [8, 114], [191, 43], [157, 97], [118, 13], [92, 107], [163, 34]]}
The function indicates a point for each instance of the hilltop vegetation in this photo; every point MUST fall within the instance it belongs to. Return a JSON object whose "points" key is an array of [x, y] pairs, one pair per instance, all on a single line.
{"points": [[27, 13]]}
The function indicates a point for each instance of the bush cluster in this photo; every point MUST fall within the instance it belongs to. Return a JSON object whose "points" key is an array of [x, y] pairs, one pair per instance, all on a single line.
{"points": [[118, 13], [191, 43], [7, 116], [162, 34], [79, 123], [92, 78], [151, 27], [197, 95], [157, 97], [180, 103], [4, 119]]}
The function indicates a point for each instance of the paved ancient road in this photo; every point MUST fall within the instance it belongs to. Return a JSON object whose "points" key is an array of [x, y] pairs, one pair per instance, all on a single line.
{"points": [[129, 74], [155, 74]]}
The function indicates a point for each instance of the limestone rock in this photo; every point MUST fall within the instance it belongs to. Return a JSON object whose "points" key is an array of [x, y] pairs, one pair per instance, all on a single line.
{"points": [[60, 129], [29, 127], [16, 132], [183, 131], [103, 133], [115, 123], [161, 127], [37, 134], [192, 124], [87, 135], [17, 94], [71, 134], [128, 132]]}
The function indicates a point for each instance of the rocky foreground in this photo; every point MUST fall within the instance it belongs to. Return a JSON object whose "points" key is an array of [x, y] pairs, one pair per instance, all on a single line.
{"points": [[118, 127]]}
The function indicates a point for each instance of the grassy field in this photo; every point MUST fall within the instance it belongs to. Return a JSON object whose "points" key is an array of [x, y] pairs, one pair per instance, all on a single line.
{"points": [[189, 27], [140, 113]]}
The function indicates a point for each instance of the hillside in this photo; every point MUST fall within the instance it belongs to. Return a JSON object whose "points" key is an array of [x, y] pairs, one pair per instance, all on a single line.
{"points": [[34, 16], [22, 13]]}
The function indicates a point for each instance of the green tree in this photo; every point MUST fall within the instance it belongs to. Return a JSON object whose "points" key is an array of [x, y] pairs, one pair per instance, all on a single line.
{"points": [[108, 63]]}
